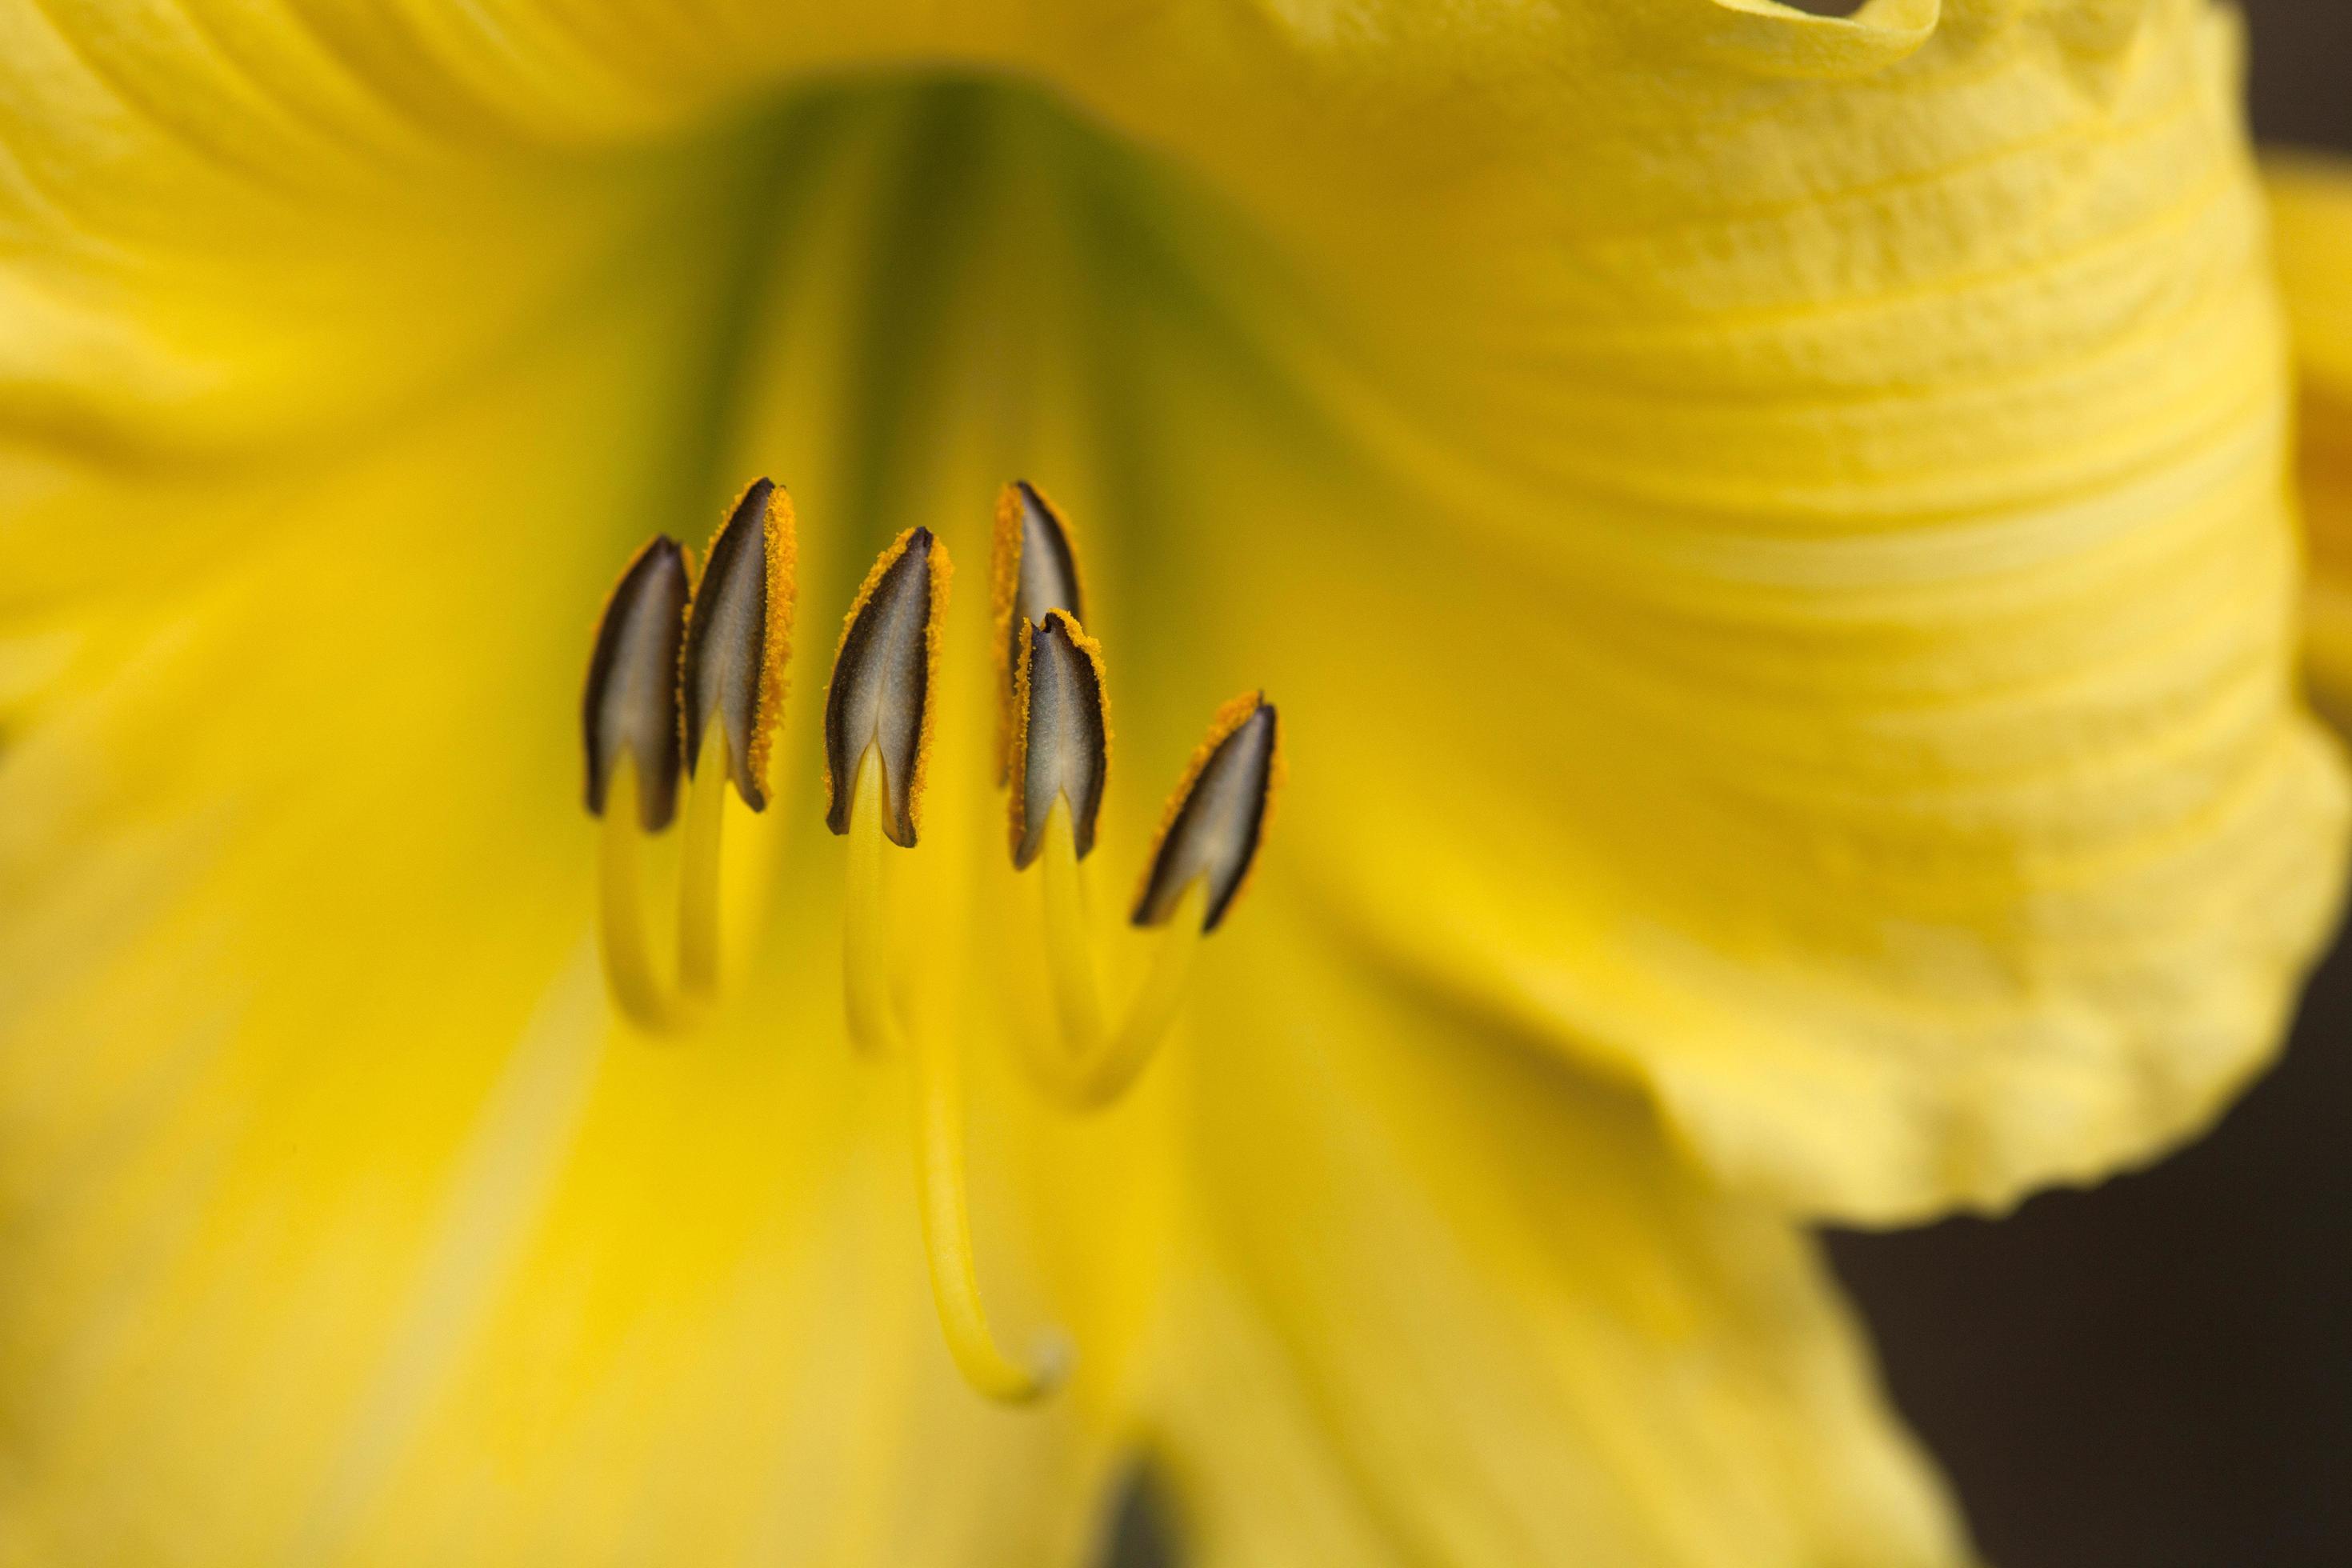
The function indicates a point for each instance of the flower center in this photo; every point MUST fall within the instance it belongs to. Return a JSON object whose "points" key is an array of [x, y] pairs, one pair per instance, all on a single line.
{"points": [[685, 690]]}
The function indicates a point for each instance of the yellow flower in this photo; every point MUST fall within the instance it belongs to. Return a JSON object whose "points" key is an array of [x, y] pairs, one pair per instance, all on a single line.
{"points": [[1766, 532]]}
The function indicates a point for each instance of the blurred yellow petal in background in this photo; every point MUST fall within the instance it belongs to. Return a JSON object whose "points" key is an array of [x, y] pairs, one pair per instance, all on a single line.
{"points": [[1767, 532], [2311, 221]]}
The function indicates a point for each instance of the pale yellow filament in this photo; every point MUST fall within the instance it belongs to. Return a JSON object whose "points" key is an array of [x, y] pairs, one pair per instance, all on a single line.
{"points": [[628, 957], [937, 1074], [1077, 1000], [865, 973], [698, 887], [1101, 1064]]}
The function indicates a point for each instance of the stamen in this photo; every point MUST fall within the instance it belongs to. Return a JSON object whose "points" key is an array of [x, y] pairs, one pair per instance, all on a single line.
{"points": [[1217, 815], [739, 637], [879, 699], [1061, 734], [1060, 756], [629, 726], [731, 680], [1032, 570], [630, 702]]}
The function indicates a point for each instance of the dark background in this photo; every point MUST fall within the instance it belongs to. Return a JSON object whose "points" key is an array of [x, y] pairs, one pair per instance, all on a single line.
{"points": [[2157, 1374]]}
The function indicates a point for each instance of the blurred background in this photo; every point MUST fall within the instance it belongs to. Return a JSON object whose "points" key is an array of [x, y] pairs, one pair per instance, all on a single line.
{"points": [[2159, 1373]]}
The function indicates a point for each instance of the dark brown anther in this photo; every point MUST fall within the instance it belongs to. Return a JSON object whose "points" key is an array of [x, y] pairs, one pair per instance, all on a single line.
{"points": [[1061, 735], [1217, 815], [738, 636], [882, 678], [1033, 572], [630, 706]]}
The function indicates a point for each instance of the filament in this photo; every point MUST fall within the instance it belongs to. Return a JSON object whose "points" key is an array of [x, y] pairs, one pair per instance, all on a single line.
{"points": [[1153, 1011], [864, 970], [628, 958], [1077, 1000], [697, 887], [1099, 1064]]}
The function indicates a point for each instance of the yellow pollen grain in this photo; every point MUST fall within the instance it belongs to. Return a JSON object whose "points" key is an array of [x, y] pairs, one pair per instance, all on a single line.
{"points": [[934, 639], [1016, 758], [693, 587], [782, 536]]}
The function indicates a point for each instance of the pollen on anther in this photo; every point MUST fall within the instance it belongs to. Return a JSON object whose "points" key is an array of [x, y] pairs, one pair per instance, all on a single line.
{"points": [[739, 637], [1061, 734], [630, 703], [882, 674], [1033, 570], [1216, 819]]}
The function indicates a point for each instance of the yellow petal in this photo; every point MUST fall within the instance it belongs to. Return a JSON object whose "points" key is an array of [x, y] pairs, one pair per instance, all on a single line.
{"points": [[1445, 1302], [2311, 219], [1783, 586]]}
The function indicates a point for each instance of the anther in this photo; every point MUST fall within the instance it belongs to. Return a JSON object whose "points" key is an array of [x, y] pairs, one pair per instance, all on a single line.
{"points": [[1198, 866], [738, 638], [1061, 734], [882, 677], [630, 706], [1033, 571], [731, 681], [629, 725], [1216, 816]]}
